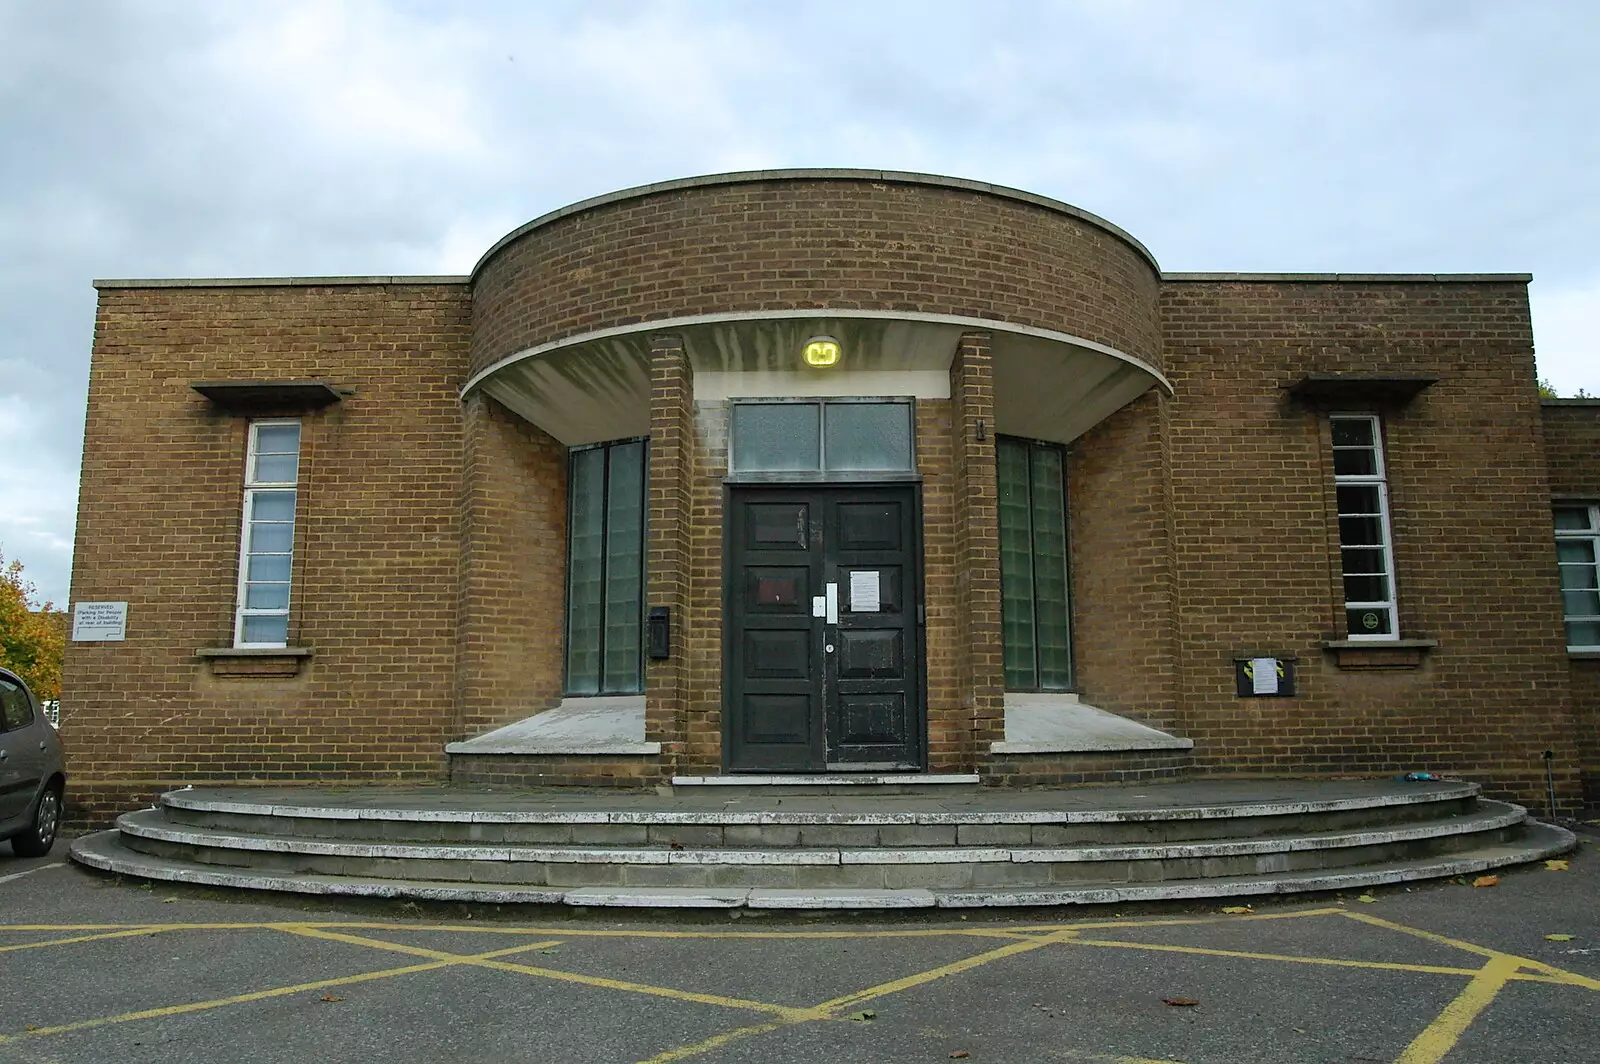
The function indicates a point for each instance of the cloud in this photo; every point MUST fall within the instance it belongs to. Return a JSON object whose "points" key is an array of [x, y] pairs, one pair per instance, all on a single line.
{"points": [[192, 138]]}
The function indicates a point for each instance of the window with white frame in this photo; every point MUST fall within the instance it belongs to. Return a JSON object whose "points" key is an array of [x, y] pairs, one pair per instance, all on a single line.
{"points": [[266, 544], [1578, 552], [1365, 543]]}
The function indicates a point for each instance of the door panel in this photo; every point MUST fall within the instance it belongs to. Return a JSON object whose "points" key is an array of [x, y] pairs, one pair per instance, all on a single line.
{"points": [[806, 690]]}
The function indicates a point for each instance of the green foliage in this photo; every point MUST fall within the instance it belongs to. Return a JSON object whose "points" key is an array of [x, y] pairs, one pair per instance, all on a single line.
{"points": [[32, 637]]}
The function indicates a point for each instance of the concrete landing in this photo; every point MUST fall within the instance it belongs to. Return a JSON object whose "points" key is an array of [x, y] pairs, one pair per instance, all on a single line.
{"points": [[614, 724], [1059, 723]]}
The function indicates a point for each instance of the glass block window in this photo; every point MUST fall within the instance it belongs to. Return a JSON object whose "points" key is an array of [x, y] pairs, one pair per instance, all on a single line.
{"points": [[266, 550], [605, 568], [1578, 552], [832, 436], [1365, 544], [1034, 585]]}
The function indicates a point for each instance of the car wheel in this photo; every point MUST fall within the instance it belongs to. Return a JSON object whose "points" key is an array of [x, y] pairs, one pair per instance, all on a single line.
{"points": [[40, 834]]}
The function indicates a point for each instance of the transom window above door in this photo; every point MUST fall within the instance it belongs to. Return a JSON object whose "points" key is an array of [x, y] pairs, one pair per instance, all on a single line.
{"points": [[813, 437]]}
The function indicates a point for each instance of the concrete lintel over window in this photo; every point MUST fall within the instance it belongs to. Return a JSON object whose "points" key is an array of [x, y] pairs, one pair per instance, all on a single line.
{"points": [[257, 396], [1359, 389]]}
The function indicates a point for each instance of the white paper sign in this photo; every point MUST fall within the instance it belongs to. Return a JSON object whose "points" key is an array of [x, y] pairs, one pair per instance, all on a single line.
{"points": [[1264, 676], [99, 622], [864, 594]]}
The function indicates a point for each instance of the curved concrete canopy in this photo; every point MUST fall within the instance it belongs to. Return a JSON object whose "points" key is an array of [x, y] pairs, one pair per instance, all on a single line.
{"points": [[594, 387]]}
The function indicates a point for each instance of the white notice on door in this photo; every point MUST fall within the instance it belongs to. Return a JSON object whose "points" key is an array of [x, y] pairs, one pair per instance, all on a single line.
{"points": [[1264, 676], [99, 622], [864, 594]]}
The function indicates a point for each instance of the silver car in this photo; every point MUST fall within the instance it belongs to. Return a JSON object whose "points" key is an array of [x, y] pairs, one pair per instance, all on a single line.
{"points": [[31, 778]]}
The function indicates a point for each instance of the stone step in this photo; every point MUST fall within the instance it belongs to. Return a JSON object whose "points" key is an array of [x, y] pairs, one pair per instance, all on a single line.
{"points": [[1035, 818], [105, 851], [875, 867]]}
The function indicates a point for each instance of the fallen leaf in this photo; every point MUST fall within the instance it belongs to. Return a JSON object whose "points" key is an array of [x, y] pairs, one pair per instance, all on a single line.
{"points": [[31, 1027], [1558, 938], [553, 949], [1556, 866], [331, 997], [1366, 899], [864, 1016], [168, 901], [1486, 881], [1237, 909], [1180, 1001], [960, 1054]]}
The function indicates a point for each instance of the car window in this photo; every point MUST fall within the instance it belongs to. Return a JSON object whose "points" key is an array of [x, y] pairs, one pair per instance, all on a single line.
{"points": [[18, 708]]}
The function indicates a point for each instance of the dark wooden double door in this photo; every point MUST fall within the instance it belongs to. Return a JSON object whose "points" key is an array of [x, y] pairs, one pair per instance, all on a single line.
{"points": [[822, 637]]}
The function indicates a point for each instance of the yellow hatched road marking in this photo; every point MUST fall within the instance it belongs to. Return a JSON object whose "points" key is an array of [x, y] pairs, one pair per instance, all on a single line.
{"points": [[1440, 1036], [130, 933], [1337, 962], [262, 995], [1554, 974], [829, 1010], [786, 1011]]}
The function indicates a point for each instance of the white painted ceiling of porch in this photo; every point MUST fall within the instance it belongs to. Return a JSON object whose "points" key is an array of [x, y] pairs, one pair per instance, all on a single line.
{"points": [[1048, 386]]}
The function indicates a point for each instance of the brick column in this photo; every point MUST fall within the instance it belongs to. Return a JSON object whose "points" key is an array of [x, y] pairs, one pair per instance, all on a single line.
{"points": [[668, 548], [980, 650]]}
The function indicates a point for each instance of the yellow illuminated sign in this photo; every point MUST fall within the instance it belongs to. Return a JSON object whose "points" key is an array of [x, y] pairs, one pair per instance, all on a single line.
{"points": [[821, 351]]}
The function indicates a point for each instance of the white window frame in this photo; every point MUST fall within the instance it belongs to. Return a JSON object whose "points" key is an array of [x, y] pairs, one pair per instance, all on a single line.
{"points": [[1379, 478], [1591, 535], [251, 487]]}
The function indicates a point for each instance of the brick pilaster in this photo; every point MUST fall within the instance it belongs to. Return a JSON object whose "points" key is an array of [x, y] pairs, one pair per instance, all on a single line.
{"points": [[980, 650], [667, 561]]}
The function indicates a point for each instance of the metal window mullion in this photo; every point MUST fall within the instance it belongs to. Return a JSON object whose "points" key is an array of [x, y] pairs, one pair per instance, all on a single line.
{"points": [[1033, 573]]}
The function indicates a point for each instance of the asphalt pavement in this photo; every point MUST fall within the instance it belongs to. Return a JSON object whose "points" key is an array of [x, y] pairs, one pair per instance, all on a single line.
{"points": [[94, 970]]}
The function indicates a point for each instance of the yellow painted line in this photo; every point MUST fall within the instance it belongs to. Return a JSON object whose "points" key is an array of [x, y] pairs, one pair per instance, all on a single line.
{"points": [[787, 1012], [1337, 962], [259, 995], [894, 986], [716, 1041], [1440, 1036], [1560, 975], [1184, 921], [131, 933], [567, 932]]}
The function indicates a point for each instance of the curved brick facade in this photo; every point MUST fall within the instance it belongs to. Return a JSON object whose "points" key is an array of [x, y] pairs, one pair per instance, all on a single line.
{"points": [[760, 243]]}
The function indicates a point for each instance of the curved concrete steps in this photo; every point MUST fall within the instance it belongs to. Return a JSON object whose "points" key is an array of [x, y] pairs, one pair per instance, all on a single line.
{"points": [[104, 851], [1006, 848]]}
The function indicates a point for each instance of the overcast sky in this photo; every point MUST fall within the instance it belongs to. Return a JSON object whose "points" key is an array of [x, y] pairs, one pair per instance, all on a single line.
{"points": [[177, 139]]}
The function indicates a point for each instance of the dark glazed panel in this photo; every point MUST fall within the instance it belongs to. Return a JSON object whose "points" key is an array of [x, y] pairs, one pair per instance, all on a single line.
{"points": [[870, 526], [777, 589], [776, 525]]}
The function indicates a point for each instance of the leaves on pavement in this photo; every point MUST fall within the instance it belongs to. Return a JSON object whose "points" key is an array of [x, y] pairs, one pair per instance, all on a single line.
{"points": [[1181, 1002], [1558, 938], [1237, 909], [1486, 881], [1556, 866]]}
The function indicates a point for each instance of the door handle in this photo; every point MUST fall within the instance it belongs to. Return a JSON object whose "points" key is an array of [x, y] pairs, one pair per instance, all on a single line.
{"points": [[832, 596]]}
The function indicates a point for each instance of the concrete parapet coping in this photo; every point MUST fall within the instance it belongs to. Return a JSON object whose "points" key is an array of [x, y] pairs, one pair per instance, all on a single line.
{"points": [[104, 284], [746, 177], [605, 724], [1051, 723], [1355, 278]]}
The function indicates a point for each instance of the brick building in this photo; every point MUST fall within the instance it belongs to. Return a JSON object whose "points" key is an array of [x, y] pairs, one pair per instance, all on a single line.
{"points": [[830, 471]]}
